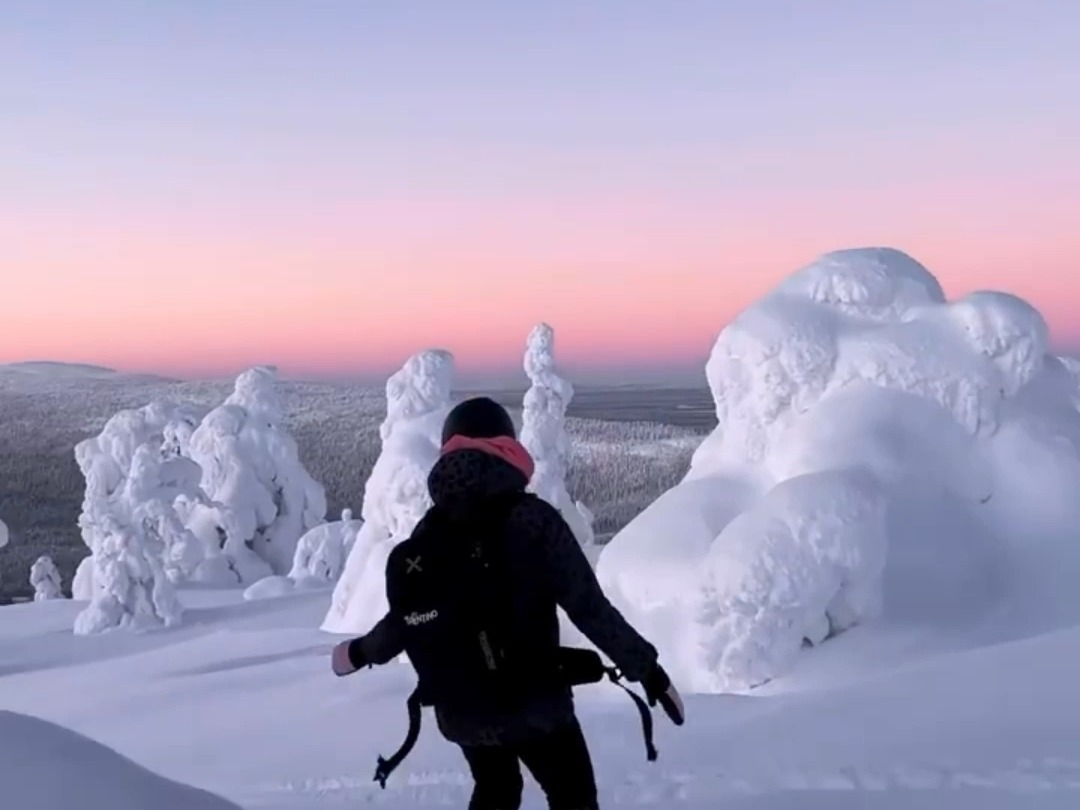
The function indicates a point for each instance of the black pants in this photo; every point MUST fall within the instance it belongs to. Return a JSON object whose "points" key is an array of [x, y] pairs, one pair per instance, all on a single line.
{"points": [[559, 762]]}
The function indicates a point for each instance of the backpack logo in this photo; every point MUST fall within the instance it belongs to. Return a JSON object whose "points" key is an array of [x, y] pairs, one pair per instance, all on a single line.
{"points": [[412, 564], [415, 619]]}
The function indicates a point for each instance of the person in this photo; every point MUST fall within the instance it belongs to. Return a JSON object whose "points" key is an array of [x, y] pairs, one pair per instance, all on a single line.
{"points": [[544, 567]]}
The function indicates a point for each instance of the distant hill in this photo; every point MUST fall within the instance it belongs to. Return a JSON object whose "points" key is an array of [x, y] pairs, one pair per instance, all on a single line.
{"points": [[71, 371]]}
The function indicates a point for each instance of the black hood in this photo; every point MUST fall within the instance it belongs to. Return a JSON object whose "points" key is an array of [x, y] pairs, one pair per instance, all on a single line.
{"points": [[466, 475]]}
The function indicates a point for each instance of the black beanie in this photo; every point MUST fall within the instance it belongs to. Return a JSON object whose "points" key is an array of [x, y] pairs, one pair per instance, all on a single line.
{"points": [[478, 418]]}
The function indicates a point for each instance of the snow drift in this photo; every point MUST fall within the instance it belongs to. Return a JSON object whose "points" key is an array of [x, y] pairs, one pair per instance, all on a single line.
{"points": [[49, 767], [396, 494], [881, 453]]}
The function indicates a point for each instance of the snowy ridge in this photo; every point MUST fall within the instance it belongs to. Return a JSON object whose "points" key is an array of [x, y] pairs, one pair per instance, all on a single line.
{"points": [[879, 450]]}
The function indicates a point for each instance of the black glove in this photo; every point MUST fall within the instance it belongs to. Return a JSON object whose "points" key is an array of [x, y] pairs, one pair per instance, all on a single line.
{"points": [[660, 689]]}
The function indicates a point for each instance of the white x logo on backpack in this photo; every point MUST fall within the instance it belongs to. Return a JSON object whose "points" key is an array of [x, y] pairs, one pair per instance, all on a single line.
{"points": [[412, 564]]}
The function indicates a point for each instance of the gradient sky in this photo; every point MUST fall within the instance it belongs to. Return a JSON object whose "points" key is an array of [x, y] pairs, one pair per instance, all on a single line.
{"points": [[192, 187]]}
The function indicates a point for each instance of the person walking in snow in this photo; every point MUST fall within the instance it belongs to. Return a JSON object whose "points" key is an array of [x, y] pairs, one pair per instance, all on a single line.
{"points": [[473, 594]]}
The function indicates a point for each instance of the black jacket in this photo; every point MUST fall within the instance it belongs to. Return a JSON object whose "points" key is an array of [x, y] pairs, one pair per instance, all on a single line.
{"points": [[547, 568]]}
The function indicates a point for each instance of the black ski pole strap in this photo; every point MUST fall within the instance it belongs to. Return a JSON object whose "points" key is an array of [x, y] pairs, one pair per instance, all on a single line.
{"points": [[643, 709], [386, 766]]}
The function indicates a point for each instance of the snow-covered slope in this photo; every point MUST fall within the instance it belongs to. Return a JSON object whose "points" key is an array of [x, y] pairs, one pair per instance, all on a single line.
{"points": [[44, 766], [882, 456], [240, 701]]}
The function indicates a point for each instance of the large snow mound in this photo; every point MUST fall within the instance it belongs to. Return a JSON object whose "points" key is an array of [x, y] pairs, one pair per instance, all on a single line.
{"points": [[44, 766], [881, 454]]}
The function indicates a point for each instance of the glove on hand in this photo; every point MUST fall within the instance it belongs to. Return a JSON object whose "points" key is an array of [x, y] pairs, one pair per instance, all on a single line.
{"points": [[660, 689], [346, 658]]}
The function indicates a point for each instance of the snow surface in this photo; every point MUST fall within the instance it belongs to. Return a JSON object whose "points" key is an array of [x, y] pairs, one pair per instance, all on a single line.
{"points": [[240, 701], [882, 456], [47, 767], [4, 536], [543, 431], [396, 494]]}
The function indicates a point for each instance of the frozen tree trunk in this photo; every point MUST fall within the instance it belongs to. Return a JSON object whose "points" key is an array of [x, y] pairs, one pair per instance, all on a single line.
{"points": [[396, 494], [45, 580], [543, 431]]}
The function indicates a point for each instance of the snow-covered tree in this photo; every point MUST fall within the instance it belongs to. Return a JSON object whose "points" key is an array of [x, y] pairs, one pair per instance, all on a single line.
{"points": [[264, 499], [543, 430], [176, 435], [321, 553], [45, 580], [131, 589], [154, 486], [876, 445], [106, 462], [3, 534], [396, 494]]}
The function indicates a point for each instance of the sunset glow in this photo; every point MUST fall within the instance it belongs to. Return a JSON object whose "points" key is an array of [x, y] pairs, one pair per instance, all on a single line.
{"points": [[332, 191]]}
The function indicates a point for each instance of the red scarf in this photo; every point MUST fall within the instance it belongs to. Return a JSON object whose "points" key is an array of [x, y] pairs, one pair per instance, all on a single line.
{"points": [[504, 447]]}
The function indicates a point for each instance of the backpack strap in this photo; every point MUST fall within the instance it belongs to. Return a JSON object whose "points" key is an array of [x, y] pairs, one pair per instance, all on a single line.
{"points": [[386, 766], [494, 511], [646, 716]]}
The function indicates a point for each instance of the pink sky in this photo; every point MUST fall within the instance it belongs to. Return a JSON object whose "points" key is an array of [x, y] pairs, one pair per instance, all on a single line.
{"points": [[342, 190], [354, 286]]}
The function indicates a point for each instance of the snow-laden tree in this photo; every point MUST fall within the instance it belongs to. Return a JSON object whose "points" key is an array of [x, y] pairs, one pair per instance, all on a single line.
{"points": [[3, 534], [154, 487], [321, 553], [176, 435], [396, 494], [131, 589], [880, 451], [45, 580], [141, 547], [105, 461], [264, 499], [543, 431]]}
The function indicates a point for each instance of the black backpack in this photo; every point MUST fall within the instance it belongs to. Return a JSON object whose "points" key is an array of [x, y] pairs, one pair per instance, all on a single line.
{"points": [[447, 582], [448, 585]]}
